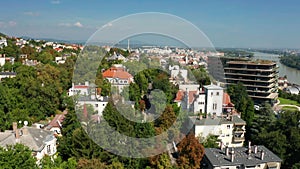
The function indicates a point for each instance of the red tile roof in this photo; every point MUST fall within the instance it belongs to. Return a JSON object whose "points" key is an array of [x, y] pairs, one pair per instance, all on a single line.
{"points": [[192, 96], [58, 119], [116, 72], [226, 100], [180, 95], [80, 87]]}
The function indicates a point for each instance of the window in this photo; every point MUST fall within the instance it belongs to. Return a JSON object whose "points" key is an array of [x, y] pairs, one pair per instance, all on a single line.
{"points": [[228, 126], [211, 93], [48, 149], [218, 93], [96, 105], [214, 106], [227, 135], [103, 104]]}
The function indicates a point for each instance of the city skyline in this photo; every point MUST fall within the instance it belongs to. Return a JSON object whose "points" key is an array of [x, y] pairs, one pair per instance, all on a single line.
{"points": [[255, 24]]}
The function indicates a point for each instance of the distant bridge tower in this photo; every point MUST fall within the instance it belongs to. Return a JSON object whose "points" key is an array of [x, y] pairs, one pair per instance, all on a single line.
{"points": [[128, 43]]}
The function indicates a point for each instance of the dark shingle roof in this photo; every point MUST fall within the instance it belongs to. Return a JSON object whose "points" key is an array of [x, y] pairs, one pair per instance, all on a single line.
{"points": [[217, 157]]}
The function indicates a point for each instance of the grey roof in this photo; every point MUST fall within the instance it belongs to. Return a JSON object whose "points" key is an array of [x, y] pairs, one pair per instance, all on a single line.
{"points": [[88, 98], [8, 73], [213, 87], [292, 90], [217, 121], [217, 157], [35, 138]]}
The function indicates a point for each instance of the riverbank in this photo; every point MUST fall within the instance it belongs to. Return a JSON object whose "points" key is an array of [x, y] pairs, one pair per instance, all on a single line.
{"points": [[293, 75]]}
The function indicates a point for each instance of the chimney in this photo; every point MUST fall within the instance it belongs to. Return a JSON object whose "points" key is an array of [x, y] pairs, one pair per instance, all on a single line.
{"points": [[24, 130], [227, 151], [249, 147], [262, 155], [15, 130], [255, 149], [232, 155], [86, 83], [221, 145], [200, 116]]}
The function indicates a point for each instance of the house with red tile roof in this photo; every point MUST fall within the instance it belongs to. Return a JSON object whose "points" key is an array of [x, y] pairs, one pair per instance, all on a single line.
{"points": [[211, 99], [79, 89], [56, 124], [118, 76]]}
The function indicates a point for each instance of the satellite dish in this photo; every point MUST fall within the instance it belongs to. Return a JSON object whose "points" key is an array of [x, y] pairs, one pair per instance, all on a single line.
{"points": [[20, 121], [25, 123]]}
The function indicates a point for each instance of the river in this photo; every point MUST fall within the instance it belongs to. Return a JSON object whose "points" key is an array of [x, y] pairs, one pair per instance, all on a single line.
{"points": [[293, 75]]}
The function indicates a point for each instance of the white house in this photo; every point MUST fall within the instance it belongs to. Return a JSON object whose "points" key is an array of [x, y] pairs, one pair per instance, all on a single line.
{"points": [[214, 99], [118, 76], [209, 100], [3, 42], [88, 94], [229, 130], [79, 89], [41, 142], [178, 73]]}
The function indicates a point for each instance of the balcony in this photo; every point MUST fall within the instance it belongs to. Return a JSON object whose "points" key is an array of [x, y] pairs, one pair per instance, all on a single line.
{"points": [[238, 139]]}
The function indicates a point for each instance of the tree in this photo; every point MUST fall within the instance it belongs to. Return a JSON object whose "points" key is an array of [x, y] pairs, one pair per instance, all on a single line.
{"points": [[17, 157], [50, 162], [190, 152], [84, 163], [161, 161], [243, 103], [210, 141]]}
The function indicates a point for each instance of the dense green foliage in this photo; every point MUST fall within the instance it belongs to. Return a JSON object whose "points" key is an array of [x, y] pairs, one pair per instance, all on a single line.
{"points": [[291, 61], [242, 102], [17, 157]]}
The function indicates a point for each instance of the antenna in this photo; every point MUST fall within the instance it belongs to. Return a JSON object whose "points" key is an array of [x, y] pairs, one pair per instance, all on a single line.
{"points": [[128, 42], [25, 123]]}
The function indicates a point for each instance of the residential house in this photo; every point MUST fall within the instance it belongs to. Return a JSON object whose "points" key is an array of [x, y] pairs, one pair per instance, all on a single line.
{"points": [[89, 94], [56, 123], [118, 76], [178, 73], [79, 89], [3, 42], [41, 142], [7, 75], [229, 130], [211, 99], [251, 157]]}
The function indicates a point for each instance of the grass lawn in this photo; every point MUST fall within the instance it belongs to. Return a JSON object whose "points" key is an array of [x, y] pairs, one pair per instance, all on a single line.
{"points": [[289, 108], [288, 101]]}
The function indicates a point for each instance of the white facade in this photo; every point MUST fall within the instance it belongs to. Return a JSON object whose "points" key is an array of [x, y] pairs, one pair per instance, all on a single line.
{"points": [[176, 72], [214, 99], [199, 104], [227, 131], [98, 106], [79, 89], [2, 61], [49, 148], [3, 42]]}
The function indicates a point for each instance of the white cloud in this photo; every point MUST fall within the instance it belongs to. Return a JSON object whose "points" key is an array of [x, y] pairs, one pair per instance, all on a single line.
{"points": [[12, 23], [65, 24], [7, 24], [30, 13], [107, 25], [55, 2], [78, 24]]}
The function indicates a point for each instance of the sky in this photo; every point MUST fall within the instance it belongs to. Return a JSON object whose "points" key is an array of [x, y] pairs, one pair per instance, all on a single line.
{"points": [[226, 23]]}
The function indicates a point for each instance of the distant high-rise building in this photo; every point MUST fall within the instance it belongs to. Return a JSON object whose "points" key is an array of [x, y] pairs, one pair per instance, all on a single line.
{"points": [[260, 77]]}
